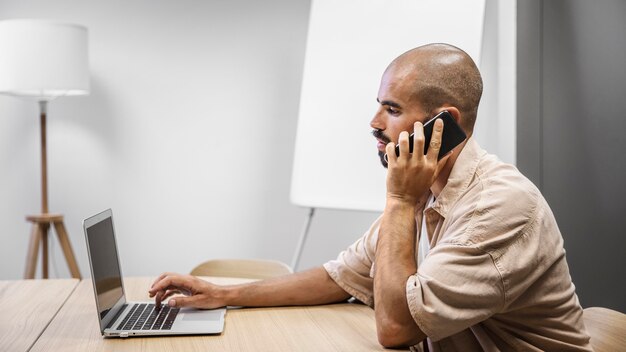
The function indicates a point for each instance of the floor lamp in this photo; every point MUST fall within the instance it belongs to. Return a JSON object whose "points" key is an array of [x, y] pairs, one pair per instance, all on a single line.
{"points": [[43, 60]]}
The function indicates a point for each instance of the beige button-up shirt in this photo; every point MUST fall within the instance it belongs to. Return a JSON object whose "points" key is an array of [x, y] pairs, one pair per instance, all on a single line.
{"points": [[495, 277]]}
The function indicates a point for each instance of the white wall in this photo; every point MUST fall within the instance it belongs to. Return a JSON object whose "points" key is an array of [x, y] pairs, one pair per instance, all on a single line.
{"points": [[188, 135], [497, 112]]}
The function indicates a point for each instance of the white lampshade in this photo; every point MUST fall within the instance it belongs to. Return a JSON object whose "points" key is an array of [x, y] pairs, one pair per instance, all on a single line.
{"points": [[43, 59]]}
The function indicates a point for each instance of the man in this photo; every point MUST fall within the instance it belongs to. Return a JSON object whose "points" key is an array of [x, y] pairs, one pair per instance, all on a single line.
{"points": [[467, 252]]}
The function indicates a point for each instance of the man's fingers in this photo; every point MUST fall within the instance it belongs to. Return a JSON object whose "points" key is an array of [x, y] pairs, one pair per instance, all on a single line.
{"points": [[163, 296], [418, 139], [174, 281], [167, 289], [435, 140], [163, 275], [158, 297], [390, 149], [170, 293], [159, 278], [169, 284], [403, 141], [191, 301]]}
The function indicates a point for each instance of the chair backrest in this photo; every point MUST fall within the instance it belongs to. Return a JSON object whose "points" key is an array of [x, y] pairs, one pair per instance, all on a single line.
{"points": [[244, 268], [606, 327]]}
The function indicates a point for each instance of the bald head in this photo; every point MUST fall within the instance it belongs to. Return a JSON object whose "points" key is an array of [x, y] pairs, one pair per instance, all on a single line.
{"points": [[442, 75]]}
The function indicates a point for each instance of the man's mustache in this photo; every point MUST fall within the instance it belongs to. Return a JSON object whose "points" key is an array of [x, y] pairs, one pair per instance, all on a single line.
{"points": [[381, 135]]}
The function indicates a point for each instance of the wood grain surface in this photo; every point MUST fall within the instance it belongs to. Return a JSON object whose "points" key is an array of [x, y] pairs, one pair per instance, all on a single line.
{"points": [[27, 307], [337, 327]]}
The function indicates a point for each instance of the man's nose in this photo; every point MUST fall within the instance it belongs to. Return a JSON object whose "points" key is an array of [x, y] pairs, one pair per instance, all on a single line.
{"points": [[377, 121]]}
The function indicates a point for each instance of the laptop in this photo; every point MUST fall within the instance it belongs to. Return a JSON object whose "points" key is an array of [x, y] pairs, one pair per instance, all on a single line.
{"points": [[121, 318]]}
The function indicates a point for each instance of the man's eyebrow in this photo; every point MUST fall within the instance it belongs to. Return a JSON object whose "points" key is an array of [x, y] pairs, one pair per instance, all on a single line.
{"points": [[390, 103]]}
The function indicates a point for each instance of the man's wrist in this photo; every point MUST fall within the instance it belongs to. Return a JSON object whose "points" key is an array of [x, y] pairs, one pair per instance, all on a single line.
{"points": [[398, 202], [228, 295], [399, 215]]}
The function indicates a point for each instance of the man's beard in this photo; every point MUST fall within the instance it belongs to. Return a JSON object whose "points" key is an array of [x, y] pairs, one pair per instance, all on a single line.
{"points": [[382, 159], [380, 135]]}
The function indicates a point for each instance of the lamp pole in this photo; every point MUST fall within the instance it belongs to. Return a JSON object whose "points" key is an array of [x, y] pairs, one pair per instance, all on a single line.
{"points": [[43, 106]]}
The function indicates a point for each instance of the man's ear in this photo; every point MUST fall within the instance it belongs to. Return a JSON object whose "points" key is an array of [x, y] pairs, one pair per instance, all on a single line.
{"points": [[456, 114]]}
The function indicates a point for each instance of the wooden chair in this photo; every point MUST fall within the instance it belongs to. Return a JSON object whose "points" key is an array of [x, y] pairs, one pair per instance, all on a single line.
{"points": [[243, 268], [607, 329]]}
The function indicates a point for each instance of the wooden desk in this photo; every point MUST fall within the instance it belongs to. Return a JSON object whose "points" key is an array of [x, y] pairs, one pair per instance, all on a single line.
{"points": [[26, 308], [339, 327]]}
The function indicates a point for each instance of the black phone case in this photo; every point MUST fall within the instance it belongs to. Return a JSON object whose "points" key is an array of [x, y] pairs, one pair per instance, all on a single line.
{"points": [[453, 135]]}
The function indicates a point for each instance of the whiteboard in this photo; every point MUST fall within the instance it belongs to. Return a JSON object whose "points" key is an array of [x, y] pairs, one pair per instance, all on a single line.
{"points": [[349, 45]]}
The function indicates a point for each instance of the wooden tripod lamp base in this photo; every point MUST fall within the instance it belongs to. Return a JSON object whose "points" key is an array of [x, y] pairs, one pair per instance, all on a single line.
{"points": [[41, 226]]}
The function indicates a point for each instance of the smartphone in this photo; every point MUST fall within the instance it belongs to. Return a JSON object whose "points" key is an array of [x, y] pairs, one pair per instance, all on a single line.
{"points": [[453, 135]]}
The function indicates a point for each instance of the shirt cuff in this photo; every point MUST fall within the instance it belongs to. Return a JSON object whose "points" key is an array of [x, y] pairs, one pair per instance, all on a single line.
{"points": [[412, 286], [333, 271]]}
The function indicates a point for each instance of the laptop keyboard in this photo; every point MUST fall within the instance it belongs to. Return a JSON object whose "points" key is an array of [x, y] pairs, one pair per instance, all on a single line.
{"points": [[145, 317]]}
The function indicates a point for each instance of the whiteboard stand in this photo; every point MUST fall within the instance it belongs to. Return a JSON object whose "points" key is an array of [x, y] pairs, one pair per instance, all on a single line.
{"points": [[303, 235]]}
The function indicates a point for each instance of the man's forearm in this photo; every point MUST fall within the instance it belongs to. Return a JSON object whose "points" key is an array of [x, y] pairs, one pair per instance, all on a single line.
{"points": [[395, 262], [309, 287]]}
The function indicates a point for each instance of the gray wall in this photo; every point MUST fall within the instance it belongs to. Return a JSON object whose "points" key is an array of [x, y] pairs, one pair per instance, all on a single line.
{"points": [[571, 125]]}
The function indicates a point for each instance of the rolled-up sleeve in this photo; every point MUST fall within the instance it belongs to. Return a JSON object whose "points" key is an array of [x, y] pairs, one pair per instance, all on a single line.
{"points": [[454, 288], [352, 270]]}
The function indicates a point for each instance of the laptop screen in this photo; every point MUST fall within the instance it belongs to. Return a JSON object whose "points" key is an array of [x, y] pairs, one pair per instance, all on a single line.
{"points": [[105, 265]]}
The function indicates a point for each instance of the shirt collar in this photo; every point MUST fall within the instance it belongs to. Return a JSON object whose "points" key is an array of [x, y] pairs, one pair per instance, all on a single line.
{"points": [[460, 177]]}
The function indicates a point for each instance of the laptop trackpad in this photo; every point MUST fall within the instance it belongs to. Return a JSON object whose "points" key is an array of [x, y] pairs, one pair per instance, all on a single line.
{"points": [[201, 315]]}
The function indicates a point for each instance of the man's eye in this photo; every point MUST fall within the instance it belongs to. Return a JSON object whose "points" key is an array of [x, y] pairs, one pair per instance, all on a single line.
{"points": [[393, 111]]}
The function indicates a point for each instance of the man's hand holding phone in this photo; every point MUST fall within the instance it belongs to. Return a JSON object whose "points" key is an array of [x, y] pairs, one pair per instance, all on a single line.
{"points": [[410, 175]]}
